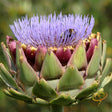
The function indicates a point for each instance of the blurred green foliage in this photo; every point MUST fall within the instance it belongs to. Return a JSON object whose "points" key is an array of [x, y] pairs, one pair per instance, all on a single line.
{"points": [[13, 9]]}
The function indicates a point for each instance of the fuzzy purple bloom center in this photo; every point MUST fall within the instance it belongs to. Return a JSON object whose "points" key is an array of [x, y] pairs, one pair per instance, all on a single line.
{"points": [[52, 30]]}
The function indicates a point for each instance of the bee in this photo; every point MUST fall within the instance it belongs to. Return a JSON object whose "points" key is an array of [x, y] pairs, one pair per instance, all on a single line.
{"points": [[70, 33]]}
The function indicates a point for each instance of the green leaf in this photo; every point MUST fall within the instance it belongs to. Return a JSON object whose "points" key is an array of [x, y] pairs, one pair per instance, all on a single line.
{"points": [[78, 57], [88, 82], [106, 69], [42, 90], [87, 91], [103, 53], [53, 83], [72, 93], [40, 101], [27, 75], [93, 65], [6, 77], [19, 53], [62, 100], [107, 85], [9, 62], [71, 79], [100, 42], [7, 93], [106, 80], [18, 95], [51, 68]]}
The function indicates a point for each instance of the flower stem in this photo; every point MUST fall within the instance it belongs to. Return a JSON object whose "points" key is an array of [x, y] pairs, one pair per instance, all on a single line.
{"points": [[57, 108]]}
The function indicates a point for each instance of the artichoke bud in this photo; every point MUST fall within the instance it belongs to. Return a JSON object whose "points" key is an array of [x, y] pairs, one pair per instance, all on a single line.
{"points": [[58, 61]]}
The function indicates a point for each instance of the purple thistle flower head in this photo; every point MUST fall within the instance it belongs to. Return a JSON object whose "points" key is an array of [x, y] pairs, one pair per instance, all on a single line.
{"points": [[52, 30]]}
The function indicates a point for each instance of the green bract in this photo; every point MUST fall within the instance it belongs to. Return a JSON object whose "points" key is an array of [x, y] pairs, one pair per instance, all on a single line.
{"points": [[53, 84]]}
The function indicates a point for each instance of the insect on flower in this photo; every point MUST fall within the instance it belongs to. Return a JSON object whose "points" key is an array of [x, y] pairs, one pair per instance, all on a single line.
{"points": [[69, 34]]}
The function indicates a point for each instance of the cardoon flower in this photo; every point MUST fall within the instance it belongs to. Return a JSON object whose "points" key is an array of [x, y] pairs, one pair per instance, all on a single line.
{"points": [[55, 61]]}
